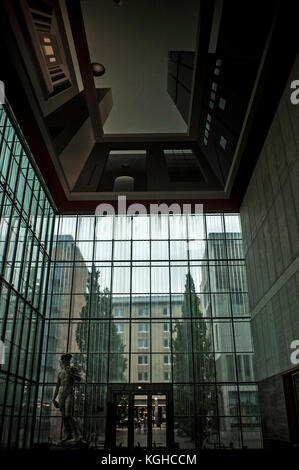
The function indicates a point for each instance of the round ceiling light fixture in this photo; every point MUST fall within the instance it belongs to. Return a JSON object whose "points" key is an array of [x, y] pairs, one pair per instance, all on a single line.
{"points": [[119, 3], [97, 69]]}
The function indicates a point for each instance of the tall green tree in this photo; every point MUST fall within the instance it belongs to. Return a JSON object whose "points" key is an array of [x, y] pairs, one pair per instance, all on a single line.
{"points": [[187, 338], [92, 338]]}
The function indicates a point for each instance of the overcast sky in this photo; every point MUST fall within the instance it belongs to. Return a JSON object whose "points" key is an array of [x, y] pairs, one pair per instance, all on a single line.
{"points": [[132, 42]]}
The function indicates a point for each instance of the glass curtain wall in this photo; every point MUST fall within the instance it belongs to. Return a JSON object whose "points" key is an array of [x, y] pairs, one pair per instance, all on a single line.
{"points": [[134, 299], [153, 299], [26, 220]]}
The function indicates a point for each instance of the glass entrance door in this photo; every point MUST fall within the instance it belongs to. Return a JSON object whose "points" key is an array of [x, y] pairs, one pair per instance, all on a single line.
{"points": [[140, 420], [121, 401], [159, 420]]}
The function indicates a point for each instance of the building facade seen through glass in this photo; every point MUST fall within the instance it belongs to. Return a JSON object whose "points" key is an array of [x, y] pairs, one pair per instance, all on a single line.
{"points": [[153, 310], [151, 300]]}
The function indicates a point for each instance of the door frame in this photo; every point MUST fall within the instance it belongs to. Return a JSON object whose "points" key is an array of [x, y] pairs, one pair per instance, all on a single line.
{"points": [[138, 389], [292, 404]]}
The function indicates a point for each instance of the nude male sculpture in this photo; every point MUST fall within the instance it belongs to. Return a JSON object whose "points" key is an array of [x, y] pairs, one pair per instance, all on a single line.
{"points": [[65, 392]]}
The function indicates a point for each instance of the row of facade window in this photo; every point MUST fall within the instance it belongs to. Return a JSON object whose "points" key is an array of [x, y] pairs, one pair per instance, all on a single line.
{"points": [[221, 105]]}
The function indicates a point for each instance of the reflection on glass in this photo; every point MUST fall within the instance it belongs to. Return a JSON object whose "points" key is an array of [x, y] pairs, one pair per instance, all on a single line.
{"points": [[102, 251], [196, 226], [122, 419], [232, 226], [214, 225], [135, 310], [141, 420], [184, 432], [160, 279], [230, 432], [141, 306], [135, 299], [160, 306], [85, 228], [118, 368], [225, 367], [183, 400], [159, 250], [122, 251], [104, 228], [159, 227], [159, 422]]}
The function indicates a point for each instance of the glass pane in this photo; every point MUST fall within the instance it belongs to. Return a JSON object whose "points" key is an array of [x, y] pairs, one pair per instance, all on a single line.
{"points": [[122, 228], [181, 335], [214, 226], [159, 250], [181, 305], [221, 305], [159, 227], [237, 276], [235, 249], [159, 421], [182, 368], [199, 280], [104, 228], [160, 306], [140, 280], [232, 226], [177, 227], [196, 226], [85, 229], [140, 337], [140, 367], [243, 339], [207, 432], [219, 278], [225, 367], [161, 368], [98, 335], [202, 336], [140, 306], [223, 337], [121, 402], [245, 367], [178, 275], [122, 251], [206, 400], [217, 249], [240, 304], [121, 279], [120, 305], [230, 432], [98, 367], [141, 227], [119, 336], [204, 367], [228, 400], [178, 250], [103, 251], [141, 420], [183, 400], [118, 368], [141, 251], [161, 336], [160, 279], [184, 432], [198, 250], [67, 227]]}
